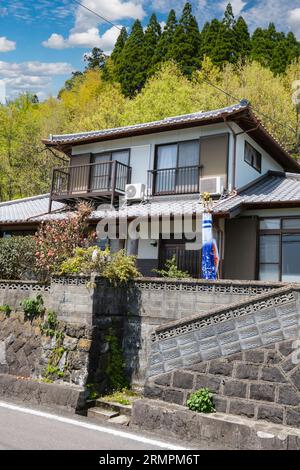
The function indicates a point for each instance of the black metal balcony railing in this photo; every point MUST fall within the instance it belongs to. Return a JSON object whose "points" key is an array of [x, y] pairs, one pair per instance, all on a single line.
{"points": [[95, 179], [183, 180]]}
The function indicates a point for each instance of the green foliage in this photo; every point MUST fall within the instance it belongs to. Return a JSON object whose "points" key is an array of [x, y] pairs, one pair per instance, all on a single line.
{"points": [[95, 59], [124, 397], [131, 70], [116, 377], [93, 394], [163, 51], [201, 401], [121, 268], [117, 267], [171, 270], [49, 326], [5, 309], [152, 35], [17, 258], [53, 370], [186, 42], [33, 307]]}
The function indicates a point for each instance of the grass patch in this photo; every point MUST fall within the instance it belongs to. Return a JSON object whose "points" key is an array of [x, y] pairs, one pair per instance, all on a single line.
{"points": [[124, 397]]}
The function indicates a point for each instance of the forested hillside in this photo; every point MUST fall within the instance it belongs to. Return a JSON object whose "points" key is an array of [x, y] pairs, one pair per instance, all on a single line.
{"points": [[152, 74]]}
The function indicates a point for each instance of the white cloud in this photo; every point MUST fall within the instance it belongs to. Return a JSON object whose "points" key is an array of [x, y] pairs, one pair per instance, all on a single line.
{"points": [[90, 38], [6, 45], [31, 76], [293, 19], [55, 41], [265, 11], [112, 10], [85, 32]]}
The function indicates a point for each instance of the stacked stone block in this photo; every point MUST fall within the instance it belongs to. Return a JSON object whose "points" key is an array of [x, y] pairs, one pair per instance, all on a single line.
{"points": [[261, 383]]}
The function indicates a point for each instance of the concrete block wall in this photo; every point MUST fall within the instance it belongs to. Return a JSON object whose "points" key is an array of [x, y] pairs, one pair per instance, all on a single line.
{"points": [[261, 383], [12, 293], [262, 320], [135, 311]]}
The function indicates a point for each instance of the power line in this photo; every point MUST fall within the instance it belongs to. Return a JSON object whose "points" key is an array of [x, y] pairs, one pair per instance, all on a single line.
{"points": [[98, 15]]}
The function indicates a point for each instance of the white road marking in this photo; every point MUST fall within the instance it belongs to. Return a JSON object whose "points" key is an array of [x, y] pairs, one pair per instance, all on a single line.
{"points": [[93, 427]]}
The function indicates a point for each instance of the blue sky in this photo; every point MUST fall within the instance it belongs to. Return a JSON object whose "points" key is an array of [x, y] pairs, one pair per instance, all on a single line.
{"points": [[42, 41]]}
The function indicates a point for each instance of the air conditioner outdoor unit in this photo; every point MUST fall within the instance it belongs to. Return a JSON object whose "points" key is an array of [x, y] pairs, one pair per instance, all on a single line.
{"points": [[212, 184], [135, 192]]}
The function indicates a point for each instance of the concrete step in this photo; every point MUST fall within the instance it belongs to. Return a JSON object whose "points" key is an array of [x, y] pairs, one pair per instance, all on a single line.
{"points": [[102, 414], [117, 407], [121, 419]]}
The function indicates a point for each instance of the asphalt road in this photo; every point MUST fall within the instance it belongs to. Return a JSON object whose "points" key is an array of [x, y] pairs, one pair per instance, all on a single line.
{"points": [[23, 428]]}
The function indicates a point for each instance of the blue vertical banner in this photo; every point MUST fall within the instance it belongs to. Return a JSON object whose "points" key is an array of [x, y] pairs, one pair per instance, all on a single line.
{"points": [[210, 255]]}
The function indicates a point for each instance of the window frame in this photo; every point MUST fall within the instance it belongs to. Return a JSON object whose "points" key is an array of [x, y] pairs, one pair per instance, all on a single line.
{"points": [[110, 152], [280, 232], [177, 143], [252, 164]]}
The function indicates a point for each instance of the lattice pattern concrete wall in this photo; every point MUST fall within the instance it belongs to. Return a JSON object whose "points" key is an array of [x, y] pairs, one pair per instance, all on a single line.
{"points": [[263, 320]]}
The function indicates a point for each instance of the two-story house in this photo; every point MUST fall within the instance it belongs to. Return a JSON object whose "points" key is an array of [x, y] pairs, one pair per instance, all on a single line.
{"points": [[159, 169]]}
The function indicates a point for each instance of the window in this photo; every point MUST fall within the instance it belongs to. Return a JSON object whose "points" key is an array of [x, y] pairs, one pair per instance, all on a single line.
{"points": [[252, 157], [177, 167], [290, 257], [279, 249], [101, 173], [269, 257]]}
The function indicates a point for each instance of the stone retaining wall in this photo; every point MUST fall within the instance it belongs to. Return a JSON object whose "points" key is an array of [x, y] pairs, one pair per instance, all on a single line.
{"points": [[213, 430], [261, 383], [25, 351]]}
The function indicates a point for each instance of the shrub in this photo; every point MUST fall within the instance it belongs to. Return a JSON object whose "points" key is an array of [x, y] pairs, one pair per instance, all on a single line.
{"points": [[5, 309], [57, 239], [49, 327], [201, 401], [120, 268], [33, 307], [17, 258], [171, 270], [117, 267], [85, 261]]}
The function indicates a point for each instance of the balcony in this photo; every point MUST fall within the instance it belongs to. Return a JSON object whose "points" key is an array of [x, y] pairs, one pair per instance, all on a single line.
{"points": [[97, 181], [184, 180]]}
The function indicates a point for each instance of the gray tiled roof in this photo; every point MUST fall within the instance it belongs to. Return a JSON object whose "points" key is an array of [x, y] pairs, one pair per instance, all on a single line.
{"points": [[270, 189], [20, 210], [184, 118]]}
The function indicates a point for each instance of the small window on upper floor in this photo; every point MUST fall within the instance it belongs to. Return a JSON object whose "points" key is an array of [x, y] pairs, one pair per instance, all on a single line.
{"points": [[252, 157]]}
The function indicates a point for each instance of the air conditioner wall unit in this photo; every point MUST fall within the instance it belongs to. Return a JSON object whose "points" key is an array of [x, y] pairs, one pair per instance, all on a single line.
{"points": [[212, 184], [135, 192]]}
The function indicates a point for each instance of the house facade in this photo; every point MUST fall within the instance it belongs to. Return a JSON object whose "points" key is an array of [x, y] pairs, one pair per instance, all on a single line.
{"points": [[147, 179]]}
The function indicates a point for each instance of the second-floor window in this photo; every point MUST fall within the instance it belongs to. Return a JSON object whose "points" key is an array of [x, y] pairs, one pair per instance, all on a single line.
{"points": [[252, 157], [101, 174], [177, 167]]}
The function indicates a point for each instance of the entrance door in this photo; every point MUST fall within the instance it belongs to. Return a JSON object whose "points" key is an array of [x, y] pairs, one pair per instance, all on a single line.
{"points": [[187, 260]]}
